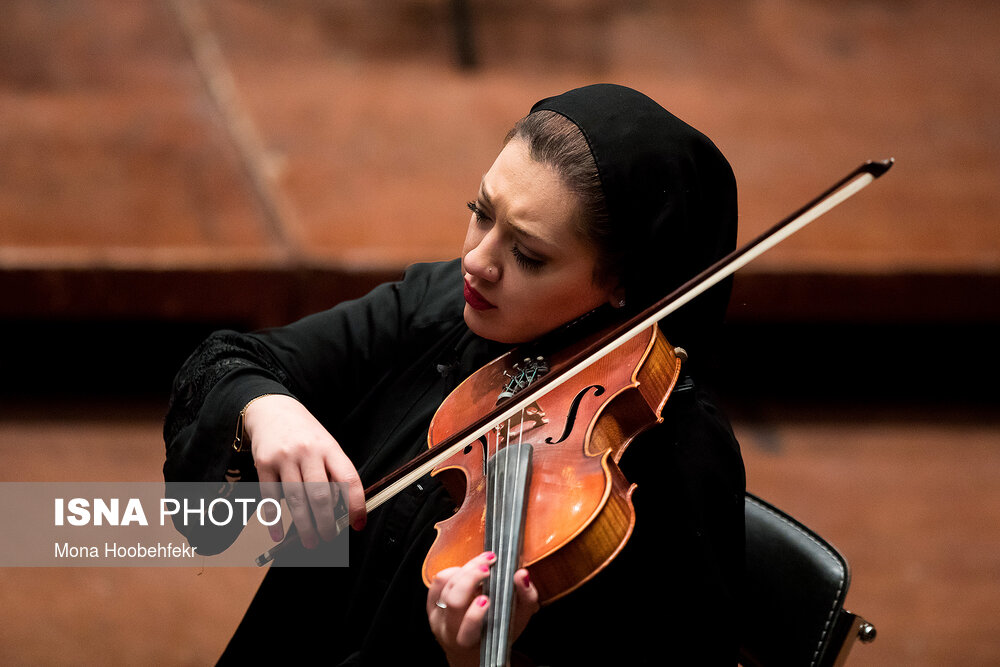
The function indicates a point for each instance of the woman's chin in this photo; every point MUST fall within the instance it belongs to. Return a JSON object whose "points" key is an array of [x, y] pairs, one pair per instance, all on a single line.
{"points": [[475, 321], [485, 324]]}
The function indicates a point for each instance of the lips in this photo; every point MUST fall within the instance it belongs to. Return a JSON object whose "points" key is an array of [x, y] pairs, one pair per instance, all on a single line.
{"points": [[475, 299]]}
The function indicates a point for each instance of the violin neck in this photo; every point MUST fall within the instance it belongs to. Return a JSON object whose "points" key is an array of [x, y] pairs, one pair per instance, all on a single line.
{"points": [[508, 480]]}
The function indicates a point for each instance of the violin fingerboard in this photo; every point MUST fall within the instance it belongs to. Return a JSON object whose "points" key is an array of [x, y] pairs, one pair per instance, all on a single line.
{"points": [[508, 478]]}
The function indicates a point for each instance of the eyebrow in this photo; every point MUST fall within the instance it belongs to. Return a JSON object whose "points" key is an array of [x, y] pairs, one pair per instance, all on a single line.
{"points": [[485, 197]]}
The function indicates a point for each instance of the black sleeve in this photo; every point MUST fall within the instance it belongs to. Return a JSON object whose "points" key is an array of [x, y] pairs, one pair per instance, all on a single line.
{"points": [[322, 360]]}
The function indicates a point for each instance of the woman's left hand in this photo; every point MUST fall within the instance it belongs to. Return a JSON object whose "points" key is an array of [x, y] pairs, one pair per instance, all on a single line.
{"points": [[456, 607]]}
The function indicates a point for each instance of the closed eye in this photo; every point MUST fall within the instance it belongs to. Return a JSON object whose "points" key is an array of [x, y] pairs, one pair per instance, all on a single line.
{"points": [[524, 261], [477, 212]]}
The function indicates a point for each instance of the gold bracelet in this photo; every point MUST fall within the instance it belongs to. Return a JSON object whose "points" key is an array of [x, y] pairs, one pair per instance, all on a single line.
{"points": [[239, 441]]}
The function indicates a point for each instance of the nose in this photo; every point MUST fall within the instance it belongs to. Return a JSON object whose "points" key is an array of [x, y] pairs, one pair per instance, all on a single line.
{"points": [[482, 259]]}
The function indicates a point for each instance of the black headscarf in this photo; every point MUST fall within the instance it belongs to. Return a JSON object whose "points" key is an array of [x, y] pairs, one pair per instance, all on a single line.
{"points": [[669, 191]]}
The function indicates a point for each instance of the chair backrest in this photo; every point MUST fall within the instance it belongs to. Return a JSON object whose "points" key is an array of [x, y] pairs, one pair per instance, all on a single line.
{"points": [[794, 594]]}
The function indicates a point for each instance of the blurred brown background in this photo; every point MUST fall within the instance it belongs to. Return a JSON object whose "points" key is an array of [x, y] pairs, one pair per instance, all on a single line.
{"points": [[170, 167]]}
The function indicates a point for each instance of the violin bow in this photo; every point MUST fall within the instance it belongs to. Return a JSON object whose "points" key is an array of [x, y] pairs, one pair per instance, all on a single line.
{"points": [[386, 488]]}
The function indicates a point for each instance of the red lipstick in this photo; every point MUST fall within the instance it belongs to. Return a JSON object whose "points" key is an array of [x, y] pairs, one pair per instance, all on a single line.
{"points": [[475, 299]]}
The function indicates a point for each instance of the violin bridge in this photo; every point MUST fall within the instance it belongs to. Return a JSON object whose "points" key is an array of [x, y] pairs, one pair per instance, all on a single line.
{"points": [[518, 426]]}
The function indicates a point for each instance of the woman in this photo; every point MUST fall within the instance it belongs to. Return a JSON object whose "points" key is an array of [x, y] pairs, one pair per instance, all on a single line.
{"points": [[599, 198]]}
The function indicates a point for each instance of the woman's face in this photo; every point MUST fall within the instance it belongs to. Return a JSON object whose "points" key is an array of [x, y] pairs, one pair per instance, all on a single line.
{"points": [[526, 269]]}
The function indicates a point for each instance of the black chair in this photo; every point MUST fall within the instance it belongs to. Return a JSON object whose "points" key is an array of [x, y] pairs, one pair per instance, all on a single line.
{"points": [[794, 594]]}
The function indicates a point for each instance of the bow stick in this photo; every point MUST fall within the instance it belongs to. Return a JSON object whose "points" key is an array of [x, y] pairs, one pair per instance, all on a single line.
{"points": [[386, 488]]}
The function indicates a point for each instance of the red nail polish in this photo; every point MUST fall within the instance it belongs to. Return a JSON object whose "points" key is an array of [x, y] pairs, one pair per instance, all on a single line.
{"points": [[490, 555], [484, 568], [527, 580], [482, 600]]}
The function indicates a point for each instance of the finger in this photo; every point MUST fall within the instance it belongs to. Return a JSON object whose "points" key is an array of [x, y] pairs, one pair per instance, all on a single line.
{"points": [[471, 629], [269, 488], [527, 594], [321, 497], [466, 583], [298, 505], [434, 593], [525, 604], [343, 471]]}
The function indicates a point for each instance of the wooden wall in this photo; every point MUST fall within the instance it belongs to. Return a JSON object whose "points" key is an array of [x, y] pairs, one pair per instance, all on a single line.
{"points": [[173, 166]]}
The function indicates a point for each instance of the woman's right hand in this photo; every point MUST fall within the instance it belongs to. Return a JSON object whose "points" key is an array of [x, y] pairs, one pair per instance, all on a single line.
{"points": [[290, 447]]}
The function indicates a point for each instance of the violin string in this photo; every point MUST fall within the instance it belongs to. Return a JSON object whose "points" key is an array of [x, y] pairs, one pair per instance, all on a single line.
{"points": [[490, 537], [504, 583], [503, 539], [500, 633], [502, 479]]}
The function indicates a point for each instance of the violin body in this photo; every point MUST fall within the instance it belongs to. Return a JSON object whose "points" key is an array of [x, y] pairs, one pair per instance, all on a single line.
{"points": [[579, 511]]}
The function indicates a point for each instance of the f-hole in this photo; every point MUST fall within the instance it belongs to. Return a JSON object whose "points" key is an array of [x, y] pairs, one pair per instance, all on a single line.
{"points": [[571, 416]]}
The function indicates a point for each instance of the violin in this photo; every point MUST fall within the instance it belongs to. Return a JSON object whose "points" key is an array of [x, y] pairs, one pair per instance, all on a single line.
{"points": [[529, 445], [543, 489]]}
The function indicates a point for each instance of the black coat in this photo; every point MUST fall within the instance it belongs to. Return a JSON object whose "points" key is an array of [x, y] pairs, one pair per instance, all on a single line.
{"points": [[373, 371]]}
